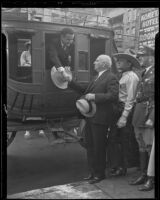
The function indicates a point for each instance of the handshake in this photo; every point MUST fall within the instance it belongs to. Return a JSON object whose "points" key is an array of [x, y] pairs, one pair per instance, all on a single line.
{"points": [[66, 73]]}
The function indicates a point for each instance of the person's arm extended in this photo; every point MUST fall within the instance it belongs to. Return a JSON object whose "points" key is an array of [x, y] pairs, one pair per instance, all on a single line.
{"points": [[77, 87], [131, 86], [54, 56]]}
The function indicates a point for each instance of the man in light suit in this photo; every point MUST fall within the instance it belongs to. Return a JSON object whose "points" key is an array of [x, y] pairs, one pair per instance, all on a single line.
{"points": [[143, 108], [104, 92]]}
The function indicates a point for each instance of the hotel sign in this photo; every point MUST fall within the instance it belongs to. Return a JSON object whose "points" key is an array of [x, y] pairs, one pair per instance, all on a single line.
{"points": [[149, 26]]}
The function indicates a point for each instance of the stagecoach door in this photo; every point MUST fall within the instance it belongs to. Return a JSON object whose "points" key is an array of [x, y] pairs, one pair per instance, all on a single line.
{"points": [[82, 58], [88, 49], [59, 103]]}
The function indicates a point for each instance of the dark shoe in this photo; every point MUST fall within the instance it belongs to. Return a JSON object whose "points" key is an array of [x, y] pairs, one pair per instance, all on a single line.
{"points": [[140, 180], [120, 172], [149, 185], [96, 179], [90, 177]]}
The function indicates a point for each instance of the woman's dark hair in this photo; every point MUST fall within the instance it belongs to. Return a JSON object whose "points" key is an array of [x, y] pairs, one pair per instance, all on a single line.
{"points": [[27, 44]]}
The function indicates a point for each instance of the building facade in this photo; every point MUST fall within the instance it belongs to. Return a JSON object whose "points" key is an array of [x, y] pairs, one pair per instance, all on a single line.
{"points": [[135, 27]]}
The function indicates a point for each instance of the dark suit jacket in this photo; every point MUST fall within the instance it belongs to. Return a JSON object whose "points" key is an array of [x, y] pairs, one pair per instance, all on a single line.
{"points": [[58, 57], [106, 90]]}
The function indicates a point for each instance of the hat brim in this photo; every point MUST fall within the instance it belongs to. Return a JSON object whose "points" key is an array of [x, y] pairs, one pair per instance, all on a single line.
{"points": [[128, 57], [27, 43], [147, 51], [58, 79], [92, 112]]}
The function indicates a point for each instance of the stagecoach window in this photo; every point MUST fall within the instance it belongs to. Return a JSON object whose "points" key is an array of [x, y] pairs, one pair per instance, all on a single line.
{"points": [[83, 60], [52, 42], [20, 59], [24, 53]]}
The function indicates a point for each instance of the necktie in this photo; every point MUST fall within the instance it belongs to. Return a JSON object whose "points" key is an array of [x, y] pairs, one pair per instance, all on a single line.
{"points": [[143, 72], [96, 78]]}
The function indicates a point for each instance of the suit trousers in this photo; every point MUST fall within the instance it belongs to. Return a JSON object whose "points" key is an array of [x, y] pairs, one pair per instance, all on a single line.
{"points": [[144, 137], [96, 137], [119, 144], [151, 165]]}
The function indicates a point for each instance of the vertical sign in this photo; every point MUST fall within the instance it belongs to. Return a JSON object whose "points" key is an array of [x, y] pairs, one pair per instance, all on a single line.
{"points": [[117, 24], [149, 26]]}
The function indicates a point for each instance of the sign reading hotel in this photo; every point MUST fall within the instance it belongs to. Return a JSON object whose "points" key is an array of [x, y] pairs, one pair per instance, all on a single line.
{"points": [[149, 26]]}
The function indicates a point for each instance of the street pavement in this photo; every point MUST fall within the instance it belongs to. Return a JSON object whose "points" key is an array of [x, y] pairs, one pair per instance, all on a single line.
{"points": [[36, 169]]}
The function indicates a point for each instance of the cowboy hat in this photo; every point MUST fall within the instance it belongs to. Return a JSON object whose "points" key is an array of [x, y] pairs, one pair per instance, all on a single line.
{"points": [[146, 51], [58, 77], [131, 52], [130, 57], [86, 108]]}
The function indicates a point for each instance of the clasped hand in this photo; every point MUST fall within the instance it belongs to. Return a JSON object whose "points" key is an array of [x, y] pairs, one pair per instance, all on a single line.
{"points": [[90, 96], [63, 70], [122, 122], [149, 123]]}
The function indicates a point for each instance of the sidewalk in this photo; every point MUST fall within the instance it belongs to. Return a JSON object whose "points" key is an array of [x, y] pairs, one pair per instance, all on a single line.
{"points": [[110, 188]]}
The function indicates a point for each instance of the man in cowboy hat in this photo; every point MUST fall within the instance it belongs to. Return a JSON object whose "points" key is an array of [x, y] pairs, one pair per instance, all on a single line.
{"points": [[144, 105], [120, 130], [103, 91], [61, 51]]}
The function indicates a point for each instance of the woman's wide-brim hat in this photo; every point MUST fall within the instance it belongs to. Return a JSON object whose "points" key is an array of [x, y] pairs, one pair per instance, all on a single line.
{"points": [[86, 108], [128, 56], [58, 77]]}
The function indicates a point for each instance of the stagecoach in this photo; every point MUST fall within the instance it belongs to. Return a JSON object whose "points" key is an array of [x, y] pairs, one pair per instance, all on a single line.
{"points": [[33, 101]]}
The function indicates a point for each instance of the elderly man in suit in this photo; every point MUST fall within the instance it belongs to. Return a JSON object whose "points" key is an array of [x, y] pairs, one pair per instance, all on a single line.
{"points": [[143, 108], [104, 92], [60, 52]]}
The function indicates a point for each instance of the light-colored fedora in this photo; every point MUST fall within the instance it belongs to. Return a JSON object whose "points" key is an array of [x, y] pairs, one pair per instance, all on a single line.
{"points": [[86, 108], [58, 77], [128, 55]]}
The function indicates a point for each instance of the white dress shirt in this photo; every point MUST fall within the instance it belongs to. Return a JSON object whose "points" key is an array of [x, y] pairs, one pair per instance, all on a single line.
{"points": [[25, 59], [100, 73], [127, 90]]}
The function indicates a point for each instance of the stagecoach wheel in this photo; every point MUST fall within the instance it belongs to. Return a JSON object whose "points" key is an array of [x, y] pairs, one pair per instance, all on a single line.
{"points": [[10, 137]]}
